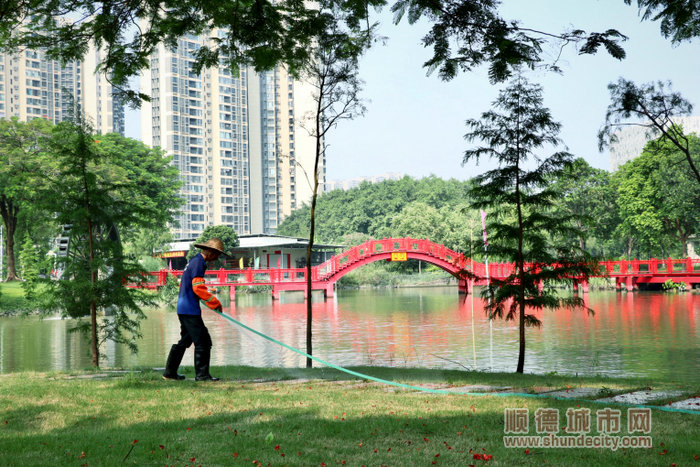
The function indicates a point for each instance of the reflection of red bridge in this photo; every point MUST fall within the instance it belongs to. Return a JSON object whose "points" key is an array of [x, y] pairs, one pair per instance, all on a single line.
{"points": [[324, 276]]}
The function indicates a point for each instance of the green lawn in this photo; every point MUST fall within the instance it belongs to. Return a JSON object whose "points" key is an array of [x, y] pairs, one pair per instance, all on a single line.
{"points": [[11, 297], [255, 417]]}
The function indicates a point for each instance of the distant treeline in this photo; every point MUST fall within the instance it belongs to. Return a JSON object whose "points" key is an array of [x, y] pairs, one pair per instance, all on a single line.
{"points": [[650, 207]]}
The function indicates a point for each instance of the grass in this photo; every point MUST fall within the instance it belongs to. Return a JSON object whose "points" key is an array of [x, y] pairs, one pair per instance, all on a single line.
{"points": [[261, 417], [12, 297]]}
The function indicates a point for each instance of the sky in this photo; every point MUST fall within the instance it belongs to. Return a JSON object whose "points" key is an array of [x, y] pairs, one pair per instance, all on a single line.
{"points": [[414, 124]]}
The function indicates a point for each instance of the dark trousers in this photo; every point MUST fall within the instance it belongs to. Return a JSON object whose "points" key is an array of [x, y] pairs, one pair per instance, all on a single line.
{"points": [[193, 330]]}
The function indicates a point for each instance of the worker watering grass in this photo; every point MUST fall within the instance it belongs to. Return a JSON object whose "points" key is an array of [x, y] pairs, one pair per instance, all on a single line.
{"points": [[192, 328]]}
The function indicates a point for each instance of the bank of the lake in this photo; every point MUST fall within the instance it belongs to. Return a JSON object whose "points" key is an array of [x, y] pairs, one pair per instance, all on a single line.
{"points": [[257, 416]]}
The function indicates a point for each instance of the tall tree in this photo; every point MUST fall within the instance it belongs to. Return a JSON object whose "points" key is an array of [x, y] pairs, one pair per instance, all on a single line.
{"points": [[519, 198], [651, 106], [583, 197], [659, 200], [98, 185], [22, 147], [333, 75]]}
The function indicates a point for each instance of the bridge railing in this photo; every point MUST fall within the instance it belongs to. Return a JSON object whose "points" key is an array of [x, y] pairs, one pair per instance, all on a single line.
{"points": [[221, 277], [651, 266], [369, 248]]}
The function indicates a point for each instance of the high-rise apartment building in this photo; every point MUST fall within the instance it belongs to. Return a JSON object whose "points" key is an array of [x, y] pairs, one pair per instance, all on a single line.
{"points": [[236, 138], [34, 86]]}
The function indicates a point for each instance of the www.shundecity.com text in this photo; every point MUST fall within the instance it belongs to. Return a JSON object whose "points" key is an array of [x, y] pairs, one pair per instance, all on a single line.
{"points": [[602, 441]]}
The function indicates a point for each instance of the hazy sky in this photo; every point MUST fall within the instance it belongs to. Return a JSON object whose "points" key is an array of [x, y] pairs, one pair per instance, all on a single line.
{"points": [[415, 123]]}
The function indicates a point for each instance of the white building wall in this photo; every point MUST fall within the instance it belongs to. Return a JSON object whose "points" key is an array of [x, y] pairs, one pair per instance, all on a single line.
{"points": [[34, 86], [632, 139]]}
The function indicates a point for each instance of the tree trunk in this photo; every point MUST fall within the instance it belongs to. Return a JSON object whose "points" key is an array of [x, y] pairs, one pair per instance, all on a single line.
{"points": [[520, 267], [9, 214], [94, 348], [630, 247], [312, 229]]}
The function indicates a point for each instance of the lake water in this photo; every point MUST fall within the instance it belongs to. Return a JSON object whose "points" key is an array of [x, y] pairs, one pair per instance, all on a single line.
{"points": [[631, 334]]}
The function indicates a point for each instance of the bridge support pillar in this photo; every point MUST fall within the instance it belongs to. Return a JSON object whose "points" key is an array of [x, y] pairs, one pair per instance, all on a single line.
{"points": [[584, 286], [618, 284], [232, 293], [463, 286], [329, 290], [275, 293], [629, 283]]}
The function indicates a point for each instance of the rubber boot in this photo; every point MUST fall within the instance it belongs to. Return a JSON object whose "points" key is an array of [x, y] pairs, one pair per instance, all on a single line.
{"points": [[201, 364], [173, 363]]}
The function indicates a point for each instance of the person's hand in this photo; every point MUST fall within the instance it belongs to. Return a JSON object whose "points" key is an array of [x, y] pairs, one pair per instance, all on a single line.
{"points": [[219, 308]]}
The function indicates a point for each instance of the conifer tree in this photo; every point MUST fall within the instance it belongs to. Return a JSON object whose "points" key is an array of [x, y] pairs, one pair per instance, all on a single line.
{"points": [[518, 197], [29, 266]]}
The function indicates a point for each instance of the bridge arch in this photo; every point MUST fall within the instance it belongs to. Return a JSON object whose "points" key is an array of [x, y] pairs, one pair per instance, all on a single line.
{"points": [[392, 248], [448, 267]]}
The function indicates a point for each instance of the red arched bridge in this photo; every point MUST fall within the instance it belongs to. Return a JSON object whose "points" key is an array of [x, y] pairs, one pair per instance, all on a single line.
{"points": [[324, 276]]}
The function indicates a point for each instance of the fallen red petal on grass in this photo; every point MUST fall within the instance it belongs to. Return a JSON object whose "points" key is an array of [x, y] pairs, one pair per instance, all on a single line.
{"points": [[277, 448], [527, 451], [135, 441], [161, 446]]}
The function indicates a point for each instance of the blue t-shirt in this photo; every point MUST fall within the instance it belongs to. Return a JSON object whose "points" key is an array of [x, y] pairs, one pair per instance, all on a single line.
{"points": [[188, 301]]}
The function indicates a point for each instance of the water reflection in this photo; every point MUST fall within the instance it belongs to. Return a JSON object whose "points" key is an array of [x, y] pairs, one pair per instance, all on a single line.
{"points": [[637, 334]]}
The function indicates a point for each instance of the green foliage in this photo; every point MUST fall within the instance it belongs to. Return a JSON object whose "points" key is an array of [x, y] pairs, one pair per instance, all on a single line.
{"points": [[22, 154], [679, 20], [261, 33], [169, 292], [370, 209], [589, 200], [659, 199], [29, 265], [375, 274], [671, 286], [521, 223], [223, 233], [466, 34], [105, 185], [653, 106]]}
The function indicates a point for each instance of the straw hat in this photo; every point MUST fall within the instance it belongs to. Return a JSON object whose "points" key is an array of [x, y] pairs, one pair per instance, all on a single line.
{"points": [[212, 244]]}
